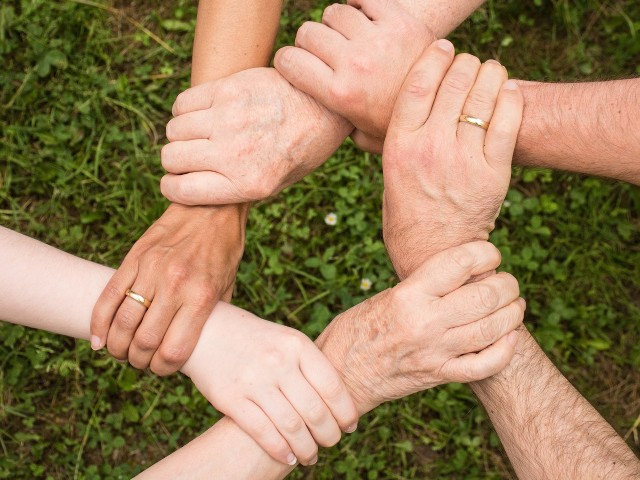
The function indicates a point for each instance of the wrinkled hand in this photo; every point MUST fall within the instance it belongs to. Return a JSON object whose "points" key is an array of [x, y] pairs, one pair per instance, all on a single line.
{"points": [[184, 263], [274, 382], [445, 180], [354, 63], [244, 138], [428, 330]]}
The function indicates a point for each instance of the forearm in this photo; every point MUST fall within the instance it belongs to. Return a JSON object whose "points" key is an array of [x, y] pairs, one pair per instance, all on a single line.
{"points": [[590, 128], [441, 16], [233, 35], [547, 428], [45, 288]]}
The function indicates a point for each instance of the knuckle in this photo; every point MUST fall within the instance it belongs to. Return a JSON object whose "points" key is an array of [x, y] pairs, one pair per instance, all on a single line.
{"points": [[419, 85], [176, 275], [329, 12], [488, 297], [333, 389], [147, 341], [126, 319], [487, 331], [292, 424], [173, 354], [457, 82], [511, 284], [316, 414], [112, 291], [342, 92], [462, 258], [481, 99]]}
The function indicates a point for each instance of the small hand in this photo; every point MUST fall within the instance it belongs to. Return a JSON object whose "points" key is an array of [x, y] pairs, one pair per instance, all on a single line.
{"points": [[245, 137], [184, 263], [445, 179], [428, 330], [274, 382], [355, 61]]}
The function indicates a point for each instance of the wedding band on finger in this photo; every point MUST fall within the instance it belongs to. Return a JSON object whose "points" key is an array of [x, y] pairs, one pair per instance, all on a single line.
{"points": [[138, 298], [478, 122]]}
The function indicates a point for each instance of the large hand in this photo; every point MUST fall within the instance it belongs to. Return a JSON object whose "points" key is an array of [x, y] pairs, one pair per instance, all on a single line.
{"points": [[354, 63], [184, 263], [445, 179], [245, 137], [274, 382], [429, 329]]}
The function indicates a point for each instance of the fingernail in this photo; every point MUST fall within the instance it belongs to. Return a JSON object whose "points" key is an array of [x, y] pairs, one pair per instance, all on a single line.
{"points": [[96, 343], [291, 459], [491, 60], [510, 85], [351, 428], [445, 45], [314, 460], [513, 338]]}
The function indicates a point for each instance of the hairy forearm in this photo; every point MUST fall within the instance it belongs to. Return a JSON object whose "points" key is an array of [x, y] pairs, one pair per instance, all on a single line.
{"points": [[441, 16], [547, 428], [590, 128], [233, 35]]}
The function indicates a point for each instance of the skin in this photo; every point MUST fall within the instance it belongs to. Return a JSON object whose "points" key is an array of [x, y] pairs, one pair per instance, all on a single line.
{"points": [[361, 83], [207, 123], [241, 362], [188, 259], [547, 428]]}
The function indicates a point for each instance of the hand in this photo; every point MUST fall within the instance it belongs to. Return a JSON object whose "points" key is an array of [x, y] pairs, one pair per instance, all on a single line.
{"points": [[184, 263], [445, 180], [274, 382], [245, 138], [428, 330], [355, 61]]}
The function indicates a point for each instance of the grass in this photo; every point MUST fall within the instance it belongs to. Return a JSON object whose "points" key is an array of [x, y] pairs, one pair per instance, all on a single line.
{"points": [[84, 93]]}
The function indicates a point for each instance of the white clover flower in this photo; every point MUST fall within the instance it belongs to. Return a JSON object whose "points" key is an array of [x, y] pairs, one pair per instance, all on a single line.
{"points": [[365, 284], [506, 204], [331, 219]]}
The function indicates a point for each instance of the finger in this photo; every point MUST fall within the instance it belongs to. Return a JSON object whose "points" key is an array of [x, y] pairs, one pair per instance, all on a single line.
{"points": [[195, 98], [450, 269], [306, 72], [475, 301], [128, 317], [151, 331], [109, 301], [504, 126], [416, 97], [347, 20], [321, 41], [324, 378], [180, 339], [190, 126], [476, 336], [202, 188], [453, 93], [258, 426], [190, 156], [313, 411], [480, 104], [478, 366], [228, 295], [366, 142], [374, 9], [290, 425]]}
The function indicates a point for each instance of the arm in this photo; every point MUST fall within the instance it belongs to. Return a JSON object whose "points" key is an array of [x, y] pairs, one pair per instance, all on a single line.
{"points": [[547, 428], [590, 128], [215, 159], [206, 242], [431, 328]]}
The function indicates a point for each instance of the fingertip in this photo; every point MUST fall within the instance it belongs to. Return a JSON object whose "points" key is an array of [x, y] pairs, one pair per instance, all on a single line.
{"points": [[444, 44], [512, 338], [96, 342]]}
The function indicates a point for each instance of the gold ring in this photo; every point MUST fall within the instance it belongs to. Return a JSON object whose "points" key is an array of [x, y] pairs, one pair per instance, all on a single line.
{"points": [[478, 122], [138, 298]]}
